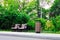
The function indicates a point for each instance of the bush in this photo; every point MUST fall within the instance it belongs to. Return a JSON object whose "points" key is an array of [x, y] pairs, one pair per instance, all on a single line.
{"points": [[22, 18], [49, 26], [10, 17], [31, 24], [7, 19], [57, 23], [42, 21]]}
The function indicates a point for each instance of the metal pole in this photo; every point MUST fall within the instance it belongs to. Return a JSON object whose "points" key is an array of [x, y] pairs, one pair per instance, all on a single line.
{"points": [[38, 9], [41, 12]]}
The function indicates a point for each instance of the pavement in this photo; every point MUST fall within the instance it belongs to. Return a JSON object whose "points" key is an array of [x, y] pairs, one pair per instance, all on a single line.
{"points": [[32, 35]]}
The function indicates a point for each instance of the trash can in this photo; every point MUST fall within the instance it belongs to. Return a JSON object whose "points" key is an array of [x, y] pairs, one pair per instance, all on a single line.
{"points": [[37, 27]]}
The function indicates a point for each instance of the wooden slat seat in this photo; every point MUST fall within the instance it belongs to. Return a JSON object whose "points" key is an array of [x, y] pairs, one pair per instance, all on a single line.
{"points": [[24, 26], [19, 27], [16, 26]]}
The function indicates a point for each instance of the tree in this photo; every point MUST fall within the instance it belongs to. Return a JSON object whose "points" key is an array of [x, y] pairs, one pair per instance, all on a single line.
{"points": [[55, 9], [9, 14]]}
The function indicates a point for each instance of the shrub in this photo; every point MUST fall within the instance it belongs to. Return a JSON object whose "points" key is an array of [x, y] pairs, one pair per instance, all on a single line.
{"points": [[57, 23], [53, 21], [31, 24], [42, 21], [7, 19], [49, 26], [22, 18], [10, 15]]}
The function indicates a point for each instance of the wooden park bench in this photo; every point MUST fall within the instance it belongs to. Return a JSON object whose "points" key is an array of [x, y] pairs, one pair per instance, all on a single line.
{"points": [[19, 27]]}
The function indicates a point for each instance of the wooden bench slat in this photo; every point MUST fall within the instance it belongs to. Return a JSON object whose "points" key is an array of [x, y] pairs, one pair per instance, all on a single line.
{"points": [[19, 27], [16, 26]]}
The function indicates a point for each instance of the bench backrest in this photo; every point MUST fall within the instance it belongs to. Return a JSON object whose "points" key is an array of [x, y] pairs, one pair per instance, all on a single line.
{"points": [[24, 26], [19, 26]]}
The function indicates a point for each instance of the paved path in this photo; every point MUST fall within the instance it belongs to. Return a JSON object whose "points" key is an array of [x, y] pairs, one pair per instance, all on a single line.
{"points": [[18, 38], [29, 36]]}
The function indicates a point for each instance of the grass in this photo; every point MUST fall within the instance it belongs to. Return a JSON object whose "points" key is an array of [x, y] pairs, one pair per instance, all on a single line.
{"points": [[33, 31], [5, 30], [56, 32]]}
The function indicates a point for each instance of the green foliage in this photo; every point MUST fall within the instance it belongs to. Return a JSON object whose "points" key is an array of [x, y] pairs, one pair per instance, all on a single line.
{"points": [[58, 23], [31, 24], [10, 15], [11, 4], [49, 26], [22, 18], [14, 12], [42, 21], [53, 24], [6, 20], [55, 9], [28, 7]]}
